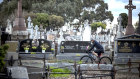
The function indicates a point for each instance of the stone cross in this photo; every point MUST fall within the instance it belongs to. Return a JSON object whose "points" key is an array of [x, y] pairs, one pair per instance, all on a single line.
{"points": [[130, 28], [138, 28]]}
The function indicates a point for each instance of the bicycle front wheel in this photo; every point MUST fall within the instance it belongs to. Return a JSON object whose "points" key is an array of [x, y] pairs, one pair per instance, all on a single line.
{"points": [[86, 60], [105, 60]]}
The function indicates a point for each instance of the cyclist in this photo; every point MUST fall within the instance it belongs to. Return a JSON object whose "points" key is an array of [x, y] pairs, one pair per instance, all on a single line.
{"points": [[98, 46]]}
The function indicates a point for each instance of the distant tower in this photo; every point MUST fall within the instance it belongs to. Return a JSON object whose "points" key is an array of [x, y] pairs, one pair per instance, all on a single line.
{"points": [[19, 29], [130, 28]]}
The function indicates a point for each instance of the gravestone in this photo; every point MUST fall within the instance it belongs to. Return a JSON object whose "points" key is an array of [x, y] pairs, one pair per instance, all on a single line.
{"points": [[74, 46], [9, 27], [18, 72], [37, 52], [130, 28], [28, 42], [127, 47]]}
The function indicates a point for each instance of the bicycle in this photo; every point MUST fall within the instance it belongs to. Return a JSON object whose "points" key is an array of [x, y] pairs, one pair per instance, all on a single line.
{"points": [[91, 59]]}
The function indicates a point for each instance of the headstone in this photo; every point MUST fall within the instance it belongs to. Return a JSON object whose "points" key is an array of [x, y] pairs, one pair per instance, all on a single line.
{"points": [[9, 27], [127, 47], [18, 72], [28, 42], [130, 28], [119, 33], [29, 22], [138, 28], [74, 46], [19, 29]]}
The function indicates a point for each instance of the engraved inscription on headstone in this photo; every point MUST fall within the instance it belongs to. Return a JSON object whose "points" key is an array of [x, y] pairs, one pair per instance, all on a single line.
{"points": [[129, 44], [75, 46]]}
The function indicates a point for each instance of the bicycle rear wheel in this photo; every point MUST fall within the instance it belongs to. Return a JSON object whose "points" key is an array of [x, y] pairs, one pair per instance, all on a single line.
{"points": [[86, 59], [105, 60]]}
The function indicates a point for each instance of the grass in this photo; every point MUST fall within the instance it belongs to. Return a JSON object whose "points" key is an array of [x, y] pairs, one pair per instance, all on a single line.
{"points": [[60, 70]]}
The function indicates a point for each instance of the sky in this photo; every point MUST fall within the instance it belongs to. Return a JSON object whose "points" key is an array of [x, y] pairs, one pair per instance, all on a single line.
{"points": [[1, 1], [117, 7]]}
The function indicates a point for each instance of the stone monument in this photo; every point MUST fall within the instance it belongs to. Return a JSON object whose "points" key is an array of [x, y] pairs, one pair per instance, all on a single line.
{"points": [[138, 28], [130, 28], [19, 29], [119, 33]]}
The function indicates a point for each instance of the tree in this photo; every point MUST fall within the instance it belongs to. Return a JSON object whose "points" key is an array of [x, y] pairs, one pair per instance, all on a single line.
{"points": [[95, 25], [92, 10], [41, 19], [56, 21], [124, 19]]}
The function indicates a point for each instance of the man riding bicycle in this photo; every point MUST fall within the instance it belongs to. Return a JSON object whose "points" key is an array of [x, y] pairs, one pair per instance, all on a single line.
{"points": [[98, 46]]}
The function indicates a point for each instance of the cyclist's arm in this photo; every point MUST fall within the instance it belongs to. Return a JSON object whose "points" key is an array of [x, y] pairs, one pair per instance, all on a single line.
{"points": [[92, 47]]}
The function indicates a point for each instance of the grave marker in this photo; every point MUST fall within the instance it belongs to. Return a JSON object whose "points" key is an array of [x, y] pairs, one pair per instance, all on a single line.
{"points": [[75, 46], [127, 47], [130, 28]]}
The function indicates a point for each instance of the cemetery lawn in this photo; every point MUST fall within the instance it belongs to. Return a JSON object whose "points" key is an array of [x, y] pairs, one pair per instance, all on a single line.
{"points": [[59, 70]]}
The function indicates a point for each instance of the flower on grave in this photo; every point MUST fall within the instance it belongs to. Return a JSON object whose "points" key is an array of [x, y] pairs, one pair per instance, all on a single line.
{"points": [[44, 46], [26, 48], [62, 47], [34, 47], [33, 53], [52, 49]]}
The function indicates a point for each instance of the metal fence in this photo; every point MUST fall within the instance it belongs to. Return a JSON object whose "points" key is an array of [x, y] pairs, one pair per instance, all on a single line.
{"points": [[78, 73]]}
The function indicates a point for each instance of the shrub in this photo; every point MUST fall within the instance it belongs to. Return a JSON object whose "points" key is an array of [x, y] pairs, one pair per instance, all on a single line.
{"points": [[3, 50]]}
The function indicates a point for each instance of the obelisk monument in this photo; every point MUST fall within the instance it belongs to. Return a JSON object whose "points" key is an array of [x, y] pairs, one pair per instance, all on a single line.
{"points": [[130, 28], [19, 28]]}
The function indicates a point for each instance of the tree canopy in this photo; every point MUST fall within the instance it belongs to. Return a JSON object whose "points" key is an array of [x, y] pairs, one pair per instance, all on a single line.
{"points": [[124, 19], [92, 10], [95, 25]]}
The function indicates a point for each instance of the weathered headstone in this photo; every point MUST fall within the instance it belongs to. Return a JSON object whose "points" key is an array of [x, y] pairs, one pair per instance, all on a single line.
{"points": [[130, 28], [138, 28], [18, 72]]}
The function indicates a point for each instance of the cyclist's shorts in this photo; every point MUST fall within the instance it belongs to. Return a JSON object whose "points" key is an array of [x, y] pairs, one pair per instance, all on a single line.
{"points": [[99, 51]]}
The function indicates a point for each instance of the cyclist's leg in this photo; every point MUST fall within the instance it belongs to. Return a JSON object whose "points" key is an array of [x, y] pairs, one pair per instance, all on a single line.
{"points": [[94, 53], [98, 52]]}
